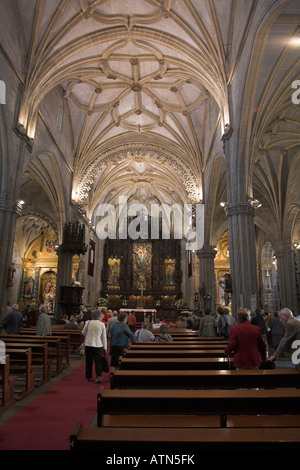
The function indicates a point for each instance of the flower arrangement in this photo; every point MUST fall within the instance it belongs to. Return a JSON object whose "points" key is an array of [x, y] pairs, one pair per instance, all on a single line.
{"points": [[180, 303], [102, 302]]}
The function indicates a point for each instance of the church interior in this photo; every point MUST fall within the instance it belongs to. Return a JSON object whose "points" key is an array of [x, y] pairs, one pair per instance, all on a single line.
{"points": [[150, 156]]}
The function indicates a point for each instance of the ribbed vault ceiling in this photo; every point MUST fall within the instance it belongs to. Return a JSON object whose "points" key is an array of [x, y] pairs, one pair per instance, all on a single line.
{"points": [[146, 82]]}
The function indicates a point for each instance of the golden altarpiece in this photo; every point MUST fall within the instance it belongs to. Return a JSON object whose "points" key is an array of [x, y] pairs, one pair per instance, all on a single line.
{"points": [[142, 273], [39, 272]]}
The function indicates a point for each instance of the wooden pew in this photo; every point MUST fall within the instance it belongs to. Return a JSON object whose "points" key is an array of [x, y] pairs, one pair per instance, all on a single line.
{"points": [[196, 402], [181, 332], [64, 349], [75, 336], [39, 357], [210, 421], [64, 346], [204, 379], [21, 366], [186, 441], [126, 363], [179, 345], [54, 348], [175, 353], [8, 383], [192, 338], [188, 335]]}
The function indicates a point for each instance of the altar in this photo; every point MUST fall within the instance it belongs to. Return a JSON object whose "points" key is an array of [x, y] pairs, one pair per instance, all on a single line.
{"points": [[141, 313]]}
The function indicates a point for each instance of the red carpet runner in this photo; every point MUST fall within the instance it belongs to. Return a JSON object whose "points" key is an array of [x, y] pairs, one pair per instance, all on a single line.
{"points": [[46, 423]]}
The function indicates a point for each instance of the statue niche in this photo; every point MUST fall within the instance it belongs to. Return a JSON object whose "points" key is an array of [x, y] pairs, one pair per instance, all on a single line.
{"points": [[142, 265], [113, 281]]}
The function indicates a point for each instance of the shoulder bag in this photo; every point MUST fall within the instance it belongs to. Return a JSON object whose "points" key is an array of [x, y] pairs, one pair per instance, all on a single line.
{"points": [[82, 346]]}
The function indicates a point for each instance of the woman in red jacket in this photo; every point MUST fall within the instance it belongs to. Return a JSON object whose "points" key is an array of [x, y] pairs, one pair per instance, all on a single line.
{"points": [[246, 343]]}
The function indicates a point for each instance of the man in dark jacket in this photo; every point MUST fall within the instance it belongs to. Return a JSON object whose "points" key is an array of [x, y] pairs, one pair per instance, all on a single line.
{"points": [[259, 320], [12, 322]]}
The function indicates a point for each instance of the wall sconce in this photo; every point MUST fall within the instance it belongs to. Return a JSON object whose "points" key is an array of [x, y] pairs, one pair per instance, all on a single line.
{"points": [[196, 297]]}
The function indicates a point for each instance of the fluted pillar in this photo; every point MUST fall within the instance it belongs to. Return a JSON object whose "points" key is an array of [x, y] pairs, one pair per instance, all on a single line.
{"points": [[206, 258], [64, 276], [286, 277], [9, 211], [243, 269]]}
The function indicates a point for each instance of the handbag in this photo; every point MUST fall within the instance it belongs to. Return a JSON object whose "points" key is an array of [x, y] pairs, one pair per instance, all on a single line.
{"points": [[104, 362], [82, 349], [82, 346]]}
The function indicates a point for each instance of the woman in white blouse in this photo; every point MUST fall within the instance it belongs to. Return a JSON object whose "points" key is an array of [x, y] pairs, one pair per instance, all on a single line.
{"points": [[95, 345]]}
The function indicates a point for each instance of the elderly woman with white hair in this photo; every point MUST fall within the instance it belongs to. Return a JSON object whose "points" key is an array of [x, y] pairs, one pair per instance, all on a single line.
{"points": [[95, 345]]}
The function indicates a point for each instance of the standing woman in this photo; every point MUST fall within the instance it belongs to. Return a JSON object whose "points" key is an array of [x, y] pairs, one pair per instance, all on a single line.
{"points": [[95, 344]]}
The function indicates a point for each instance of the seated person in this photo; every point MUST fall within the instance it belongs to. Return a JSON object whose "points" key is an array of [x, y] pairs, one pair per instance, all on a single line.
{"points": [[163, 335], [72, 324], [144, 334], [156, 325]]}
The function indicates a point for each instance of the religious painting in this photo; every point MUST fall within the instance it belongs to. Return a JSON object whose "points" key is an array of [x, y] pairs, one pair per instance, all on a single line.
{"points": [[114, 265], [50, 245], [29, 288], [142, 264], [169, 273], [48, 289]]}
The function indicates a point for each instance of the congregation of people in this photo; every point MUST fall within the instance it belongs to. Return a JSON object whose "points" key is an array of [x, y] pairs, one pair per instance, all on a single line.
{"points": [[249, 335]]}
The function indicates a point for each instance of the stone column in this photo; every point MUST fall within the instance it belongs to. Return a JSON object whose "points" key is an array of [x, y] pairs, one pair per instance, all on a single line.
{"points": [[286, 278], [206, 258], [9, 211], [243, 269], [64, 276]]}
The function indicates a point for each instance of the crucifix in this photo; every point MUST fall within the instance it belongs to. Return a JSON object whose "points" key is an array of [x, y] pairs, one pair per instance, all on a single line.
{"points": [[142, 288]]}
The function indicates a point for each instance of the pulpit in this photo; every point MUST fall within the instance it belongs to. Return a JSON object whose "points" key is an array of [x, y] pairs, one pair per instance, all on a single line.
{"points": [[70, 299]]}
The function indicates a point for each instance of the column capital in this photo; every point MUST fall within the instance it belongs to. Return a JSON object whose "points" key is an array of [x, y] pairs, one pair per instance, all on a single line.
{"points": [[239, 208], [206, 252]]}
